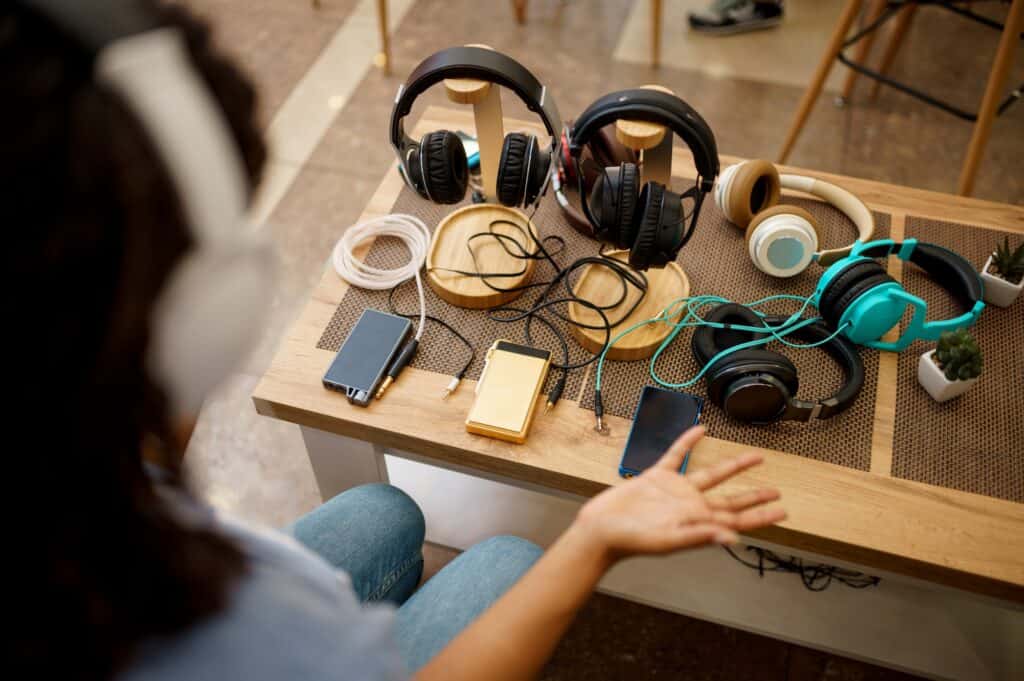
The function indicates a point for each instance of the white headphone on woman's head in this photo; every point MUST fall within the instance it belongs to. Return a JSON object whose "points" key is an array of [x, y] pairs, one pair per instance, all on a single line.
{"points": [[782, 240], [209, 312]]}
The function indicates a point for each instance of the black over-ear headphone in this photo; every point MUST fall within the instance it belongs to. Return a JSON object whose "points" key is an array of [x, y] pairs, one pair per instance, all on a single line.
{"points": [[648, 220], [435, 167], [759, 386]]}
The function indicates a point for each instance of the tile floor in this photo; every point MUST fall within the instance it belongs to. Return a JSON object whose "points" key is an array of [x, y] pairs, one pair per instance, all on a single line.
{"points": [[257, 467]]}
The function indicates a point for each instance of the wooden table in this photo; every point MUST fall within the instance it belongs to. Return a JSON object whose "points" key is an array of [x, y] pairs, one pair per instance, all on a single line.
{"points": [[951, 544]]}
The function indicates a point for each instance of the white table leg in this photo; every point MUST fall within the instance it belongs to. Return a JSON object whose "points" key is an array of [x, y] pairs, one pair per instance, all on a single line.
{"points": [[340, 463]]}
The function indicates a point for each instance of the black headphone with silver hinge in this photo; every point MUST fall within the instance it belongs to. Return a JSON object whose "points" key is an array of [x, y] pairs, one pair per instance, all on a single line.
{"points": [[756, 385], [436, 168]]}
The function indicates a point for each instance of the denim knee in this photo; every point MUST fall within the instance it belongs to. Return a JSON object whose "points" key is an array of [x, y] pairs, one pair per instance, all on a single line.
{"points": [[389, 504], [365, 531], [514, 554]]}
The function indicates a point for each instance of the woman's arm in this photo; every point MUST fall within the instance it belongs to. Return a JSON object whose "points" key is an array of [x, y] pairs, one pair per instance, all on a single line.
{"points": [[658, 512]]}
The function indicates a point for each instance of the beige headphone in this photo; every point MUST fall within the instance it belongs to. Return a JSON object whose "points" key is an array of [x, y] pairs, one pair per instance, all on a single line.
{"points": [[782, 240]]}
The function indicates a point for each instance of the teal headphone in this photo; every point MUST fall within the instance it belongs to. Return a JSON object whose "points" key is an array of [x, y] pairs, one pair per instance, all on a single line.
{"points": [[857, 296]]}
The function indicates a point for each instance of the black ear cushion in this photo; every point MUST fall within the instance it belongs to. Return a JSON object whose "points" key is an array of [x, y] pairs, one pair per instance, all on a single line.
{"points": [[613, 203], [950, 270], [842, 281], [512, 168], [445, 172], [666, 237], [629, 189], [708, 341], [756, 359], [604, 204], [652, 197], [538, 163], [853, 292]]}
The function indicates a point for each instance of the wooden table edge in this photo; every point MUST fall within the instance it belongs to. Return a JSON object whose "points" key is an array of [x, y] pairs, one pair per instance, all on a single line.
{"points": [[275, 396]]}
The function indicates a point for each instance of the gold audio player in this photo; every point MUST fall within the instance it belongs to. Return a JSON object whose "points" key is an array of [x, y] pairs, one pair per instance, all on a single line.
{"points": [[506, 394]]}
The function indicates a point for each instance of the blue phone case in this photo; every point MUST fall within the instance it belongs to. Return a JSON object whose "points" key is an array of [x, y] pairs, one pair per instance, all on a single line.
{"points": [[651, 393]]}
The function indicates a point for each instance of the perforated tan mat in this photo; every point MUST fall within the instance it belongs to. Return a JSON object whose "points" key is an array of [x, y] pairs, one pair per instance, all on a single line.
{"points": [[717, 264], [975, 442], [440, 351]]}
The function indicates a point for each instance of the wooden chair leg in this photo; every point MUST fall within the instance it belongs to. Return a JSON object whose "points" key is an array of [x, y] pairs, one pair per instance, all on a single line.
{"points": [[863, 47], [899, 32], [655, 33], [993, 93], [385, 39], [818, 81], [519, 7]]}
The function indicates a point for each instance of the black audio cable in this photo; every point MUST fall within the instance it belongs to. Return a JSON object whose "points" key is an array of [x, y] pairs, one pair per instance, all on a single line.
{"points": [[544, 302], [457, 378], [815, 576]]}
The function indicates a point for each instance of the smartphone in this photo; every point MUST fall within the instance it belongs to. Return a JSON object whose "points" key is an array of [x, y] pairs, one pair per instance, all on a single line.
{"points": [[660, 418], [366, 354]]}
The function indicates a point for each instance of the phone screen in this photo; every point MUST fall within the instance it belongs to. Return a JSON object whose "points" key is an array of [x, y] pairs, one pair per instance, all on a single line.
{"points": [[660, 418]]}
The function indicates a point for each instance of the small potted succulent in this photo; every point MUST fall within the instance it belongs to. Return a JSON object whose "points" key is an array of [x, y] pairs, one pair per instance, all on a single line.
{"points": [[1003, 274], [952, 367]]}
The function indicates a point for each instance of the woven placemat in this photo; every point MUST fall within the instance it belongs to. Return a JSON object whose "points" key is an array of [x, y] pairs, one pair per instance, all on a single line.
{"points": [[716, 263], [439, 351], [975, 442]]}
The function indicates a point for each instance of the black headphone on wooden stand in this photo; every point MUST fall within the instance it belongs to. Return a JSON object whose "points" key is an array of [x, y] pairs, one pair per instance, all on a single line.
{"points": [[647, 220], [436, 168]]}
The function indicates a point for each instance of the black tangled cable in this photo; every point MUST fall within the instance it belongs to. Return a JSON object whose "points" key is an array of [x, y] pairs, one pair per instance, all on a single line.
{"points": [[457, 378], [544, 302], [815, 576]]}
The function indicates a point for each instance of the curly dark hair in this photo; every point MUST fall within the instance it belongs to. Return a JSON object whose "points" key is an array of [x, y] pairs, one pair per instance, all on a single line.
{"points": [[98, 562]]}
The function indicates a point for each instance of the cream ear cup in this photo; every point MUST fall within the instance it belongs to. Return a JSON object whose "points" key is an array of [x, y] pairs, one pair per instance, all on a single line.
{"points": [[745, 189], [782, 240], [208, 317]]}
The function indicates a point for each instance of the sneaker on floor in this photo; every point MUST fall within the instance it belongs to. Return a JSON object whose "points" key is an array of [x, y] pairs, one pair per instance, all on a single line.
{"points": [[726, 17]]}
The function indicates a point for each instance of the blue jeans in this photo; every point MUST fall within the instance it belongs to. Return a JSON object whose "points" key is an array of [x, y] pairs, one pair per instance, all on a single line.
{"points": [[375, 534]]}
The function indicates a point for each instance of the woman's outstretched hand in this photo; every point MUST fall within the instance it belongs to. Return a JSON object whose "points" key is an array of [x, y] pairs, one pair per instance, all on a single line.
{"points": [[662, 511], [658, 512]]}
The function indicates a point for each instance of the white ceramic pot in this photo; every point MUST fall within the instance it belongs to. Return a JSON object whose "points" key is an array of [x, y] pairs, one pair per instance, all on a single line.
{"points": [[930, 376], [998, 291]]}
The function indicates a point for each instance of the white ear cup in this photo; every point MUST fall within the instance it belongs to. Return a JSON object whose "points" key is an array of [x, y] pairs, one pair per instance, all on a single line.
{"points": [[210, 310], [208, 316], [722, 188], [783, 245]]}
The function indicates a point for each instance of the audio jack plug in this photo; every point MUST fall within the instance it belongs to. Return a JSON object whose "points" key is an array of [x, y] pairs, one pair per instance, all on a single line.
{"points": [[555, 393], [404, 357], [453, 385], [599, 424]]}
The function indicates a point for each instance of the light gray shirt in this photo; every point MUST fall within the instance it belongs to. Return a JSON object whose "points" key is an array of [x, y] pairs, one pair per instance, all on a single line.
{"points": [[292, 617]]}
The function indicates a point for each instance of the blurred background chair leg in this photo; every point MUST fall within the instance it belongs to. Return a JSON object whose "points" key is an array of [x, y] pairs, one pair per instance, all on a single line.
{"points": [[384, 58], [991, 99], [899, 32], [863, 51], [519, 7], [818, 81], [655, 33]]}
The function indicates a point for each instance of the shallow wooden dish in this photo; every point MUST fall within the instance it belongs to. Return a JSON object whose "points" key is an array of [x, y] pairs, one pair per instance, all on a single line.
{"points": [[601, 287], [450, 249]]}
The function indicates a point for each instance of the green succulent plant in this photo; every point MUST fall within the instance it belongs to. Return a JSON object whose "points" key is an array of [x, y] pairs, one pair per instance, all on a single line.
{"points": [[958, 355], [1009, 262]]}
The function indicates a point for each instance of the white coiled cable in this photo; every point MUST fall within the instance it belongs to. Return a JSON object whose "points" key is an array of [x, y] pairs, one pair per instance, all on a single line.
{"points": [[414, 234]]}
